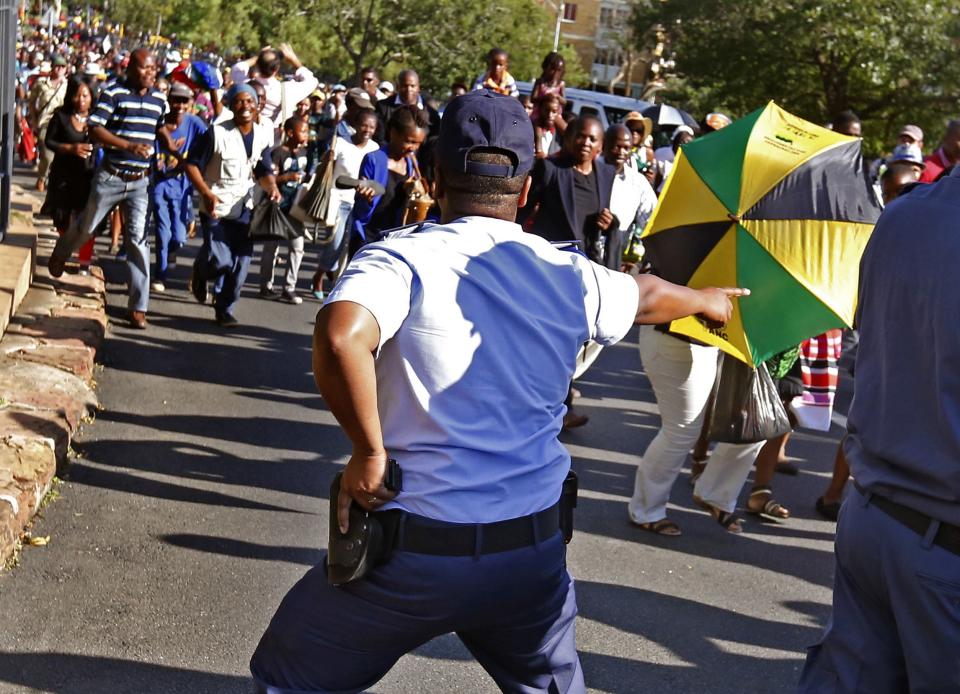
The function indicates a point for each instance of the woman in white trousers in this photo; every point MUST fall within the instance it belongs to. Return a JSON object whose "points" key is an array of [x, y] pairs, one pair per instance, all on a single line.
{"points": [[682, 375]]}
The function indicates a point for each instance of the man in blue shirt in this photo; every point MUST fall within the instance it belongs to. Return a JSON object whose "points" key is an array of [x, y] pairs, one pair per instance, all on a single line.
{"points": [[450, 346], [171, 191], [895, 625], [126, 122]]}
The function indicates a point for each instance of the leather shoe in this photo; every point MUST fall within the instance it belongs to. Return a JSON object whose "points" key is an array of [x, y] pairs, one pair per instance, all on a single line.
{"points": [[226, 320], [138, 320], [572, 420], [55, 266]]}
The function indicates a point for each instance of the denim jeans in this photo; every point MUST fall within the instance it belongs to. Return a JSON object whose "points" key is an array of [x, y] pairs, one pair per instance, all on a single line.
{"points": [[328, 254], [106, 192], [225, 257]]}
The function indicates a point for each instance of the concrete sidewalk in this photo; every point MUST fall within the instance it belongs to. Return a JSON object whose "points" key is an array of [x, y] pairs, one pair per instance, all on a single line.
{"points": [[52, 330]]}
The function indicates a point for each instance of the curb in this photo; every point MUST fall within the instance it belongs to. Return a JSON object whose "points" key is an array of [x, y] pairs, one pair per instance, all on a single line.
{"points": [[47, 357]]}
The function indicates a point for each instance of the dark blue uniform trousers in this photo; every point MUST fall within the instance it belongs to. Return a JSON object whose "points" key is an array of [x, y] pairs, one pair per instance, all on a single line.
{"points": [[514, 610], [224, 258], [895, 625]]}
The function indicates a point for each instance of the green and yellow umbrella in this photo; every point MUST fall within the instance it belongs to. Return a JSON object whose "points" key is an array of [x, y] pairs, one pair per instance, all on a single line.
{"points": [[775, 204]]}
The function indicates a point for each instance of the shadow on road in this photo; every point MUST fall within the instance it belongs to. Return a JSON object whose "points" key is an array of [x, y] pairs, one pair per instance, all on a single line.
{"points": [[178, 459], [68, 673], [243, 549], [665, 620]]}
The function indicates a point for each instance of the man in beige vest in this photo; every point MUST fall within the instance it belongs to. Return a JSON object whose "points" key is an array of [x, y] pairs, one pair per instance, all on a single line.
{"points": [[224, 167]]}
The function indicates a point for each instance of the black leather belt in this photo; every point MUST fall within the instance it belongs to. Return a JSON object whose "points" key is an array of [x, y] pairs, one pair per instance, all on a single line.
{"points": [[128, 176], [427, 536], [947, 537]]}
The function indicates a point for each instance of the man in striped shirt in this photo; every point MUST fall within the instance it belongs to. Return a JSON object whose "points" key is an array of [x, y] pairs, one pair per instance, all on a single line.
{"points": [[126, 123]]}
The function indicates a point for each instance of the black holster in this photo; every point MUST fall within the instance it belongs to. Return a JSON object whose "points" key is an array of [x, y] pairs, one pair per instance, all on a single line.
{"points": [[367, 543], [568, 502]]}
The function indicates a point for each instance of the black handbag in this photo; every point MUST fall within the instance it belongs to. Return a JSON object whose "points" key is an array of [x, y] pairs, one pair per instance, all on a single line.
{"points": [[746, 405], [269, 223]]}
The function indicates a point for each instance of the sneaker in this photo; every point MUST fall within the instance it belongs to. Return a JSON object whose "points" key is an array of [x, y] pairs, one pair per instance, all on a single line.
{"points": [[289, 297], [198, 288], [269, 293], [318, 294], [158, 286], [227, 320]]}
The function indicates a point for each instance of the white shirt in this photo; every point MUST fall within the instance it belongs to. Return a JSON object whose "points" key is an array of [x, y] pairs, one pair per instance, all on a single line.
{"points": [[549, 142], [480, 325], [632, 199], [293, 91], [347, 158]]}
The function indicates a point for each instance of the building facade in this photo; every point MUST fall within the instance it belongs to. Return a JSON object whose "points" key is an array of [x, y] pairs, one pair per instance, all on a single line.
{"points": [[602, 34]]}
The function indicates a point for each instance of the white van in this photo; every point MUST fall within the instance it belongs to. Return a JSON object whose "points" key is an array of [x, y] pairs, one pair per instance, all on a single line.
{"points": [[609, 108]]}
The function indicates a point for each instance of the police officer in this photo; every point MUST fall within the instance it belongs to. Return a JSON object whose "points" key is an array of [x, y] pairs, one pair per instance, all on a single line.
{"points": [[895, 625], [450, 346]]}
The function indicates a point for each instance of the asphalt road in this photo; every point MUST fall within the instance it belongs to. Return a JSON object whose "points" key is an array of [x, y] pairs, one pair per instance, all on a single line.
{"points": [[199, 497]]}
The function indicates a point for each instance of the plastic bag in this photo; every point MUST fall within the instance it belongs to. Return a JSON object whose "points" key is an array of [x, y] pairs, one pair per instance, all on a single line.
{"points": [[269, 223], [746, 405]]}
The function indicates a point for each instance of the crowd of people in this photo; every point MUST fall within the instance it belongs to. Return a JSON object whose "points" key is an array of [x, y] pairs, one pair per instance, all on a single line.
{"points": [[132, 142], [129, 142]]}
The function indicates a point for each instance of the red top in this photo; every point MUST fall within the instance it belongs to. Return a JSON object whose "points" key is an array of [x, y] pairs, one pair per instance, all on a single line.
{"points": [[934, 165]]}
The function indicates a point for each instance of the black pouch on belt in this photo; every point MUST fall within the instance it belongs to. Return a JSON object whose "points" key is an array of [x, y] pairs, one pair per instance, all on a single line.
{"points": [[568, 502], [351, 555]]}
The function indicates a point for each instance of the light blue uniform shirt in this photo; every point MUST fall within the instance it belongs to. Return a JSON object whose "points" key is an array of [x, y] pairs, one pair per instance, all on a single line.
{"points": [[480, 325]]}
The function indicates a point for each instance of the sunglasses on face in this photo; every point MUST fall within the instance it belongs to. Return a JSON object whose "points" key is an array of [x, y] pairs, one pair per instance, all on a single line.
{"points": [[179, 100]]}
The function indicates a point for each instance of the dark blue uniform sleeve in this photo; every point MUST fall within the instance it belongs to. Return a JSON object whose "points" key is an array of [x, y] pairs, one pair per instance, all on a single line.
{"points": [[202, 150], [264, 167]]}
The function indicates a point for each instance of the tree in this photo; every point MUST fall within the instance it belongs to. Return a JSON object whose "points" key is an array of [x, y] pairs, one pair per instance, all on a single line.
{"points": [[444, 40], [890, 62]]}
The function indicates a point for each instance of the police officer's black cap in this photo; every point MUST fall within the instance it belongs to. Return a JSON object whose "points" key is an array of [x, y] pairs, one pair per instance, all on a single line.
{"points": [[488, 122]]}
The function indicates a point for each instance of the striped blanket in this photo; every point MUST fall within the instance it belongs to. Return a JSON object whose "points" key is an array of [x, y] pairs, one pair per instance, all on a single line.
{"points": [[818, 365]]}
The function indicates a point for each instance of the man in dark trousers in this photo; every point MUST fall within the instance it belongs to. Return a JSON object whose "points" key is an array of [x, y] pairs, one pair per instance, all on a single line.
{"points": [[440, 347], [570, 196], [895, 625]]}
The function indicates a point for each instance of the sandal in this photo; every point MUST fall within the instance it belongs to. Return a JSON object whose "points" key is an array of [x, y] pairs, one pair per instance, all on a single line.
{"points": [[768, 507], [664, 526], [729, 521]]}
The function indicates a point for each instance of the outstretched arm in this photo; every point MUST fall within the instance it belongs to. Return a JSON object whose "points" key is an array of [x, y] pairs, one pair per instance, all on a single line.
{"points": [[662, 301]]}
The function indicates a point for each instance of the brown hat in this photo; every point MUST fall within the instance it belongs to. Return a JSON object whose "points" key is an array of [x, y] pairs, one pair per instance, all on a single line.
{"points": [[360, 98], [637, 117]]}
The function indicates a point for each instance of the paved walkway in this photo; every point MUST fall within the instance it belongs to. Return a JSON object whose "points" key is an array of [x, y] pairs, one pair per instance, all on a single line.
{"points": [[199, 497]]}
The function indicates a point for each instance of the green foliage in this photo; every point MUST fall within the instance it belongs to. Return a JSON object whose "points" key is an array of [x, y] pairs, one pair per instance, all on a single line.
{"points": [[890, 62], [444, 40]]}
